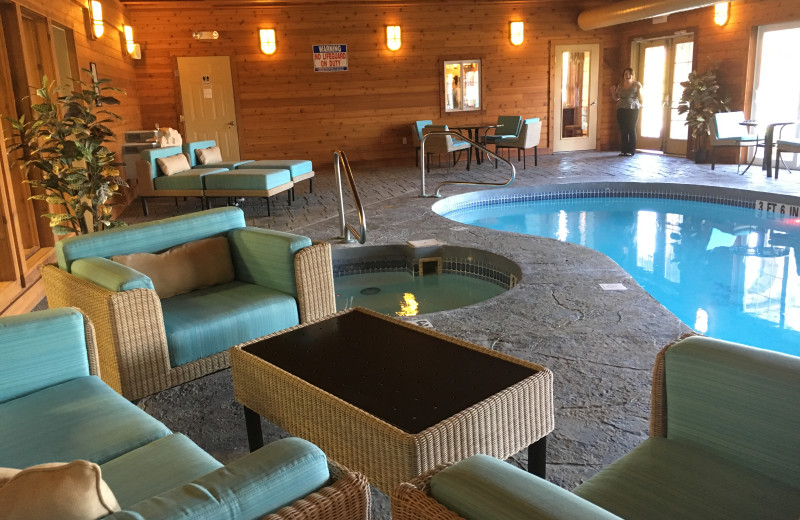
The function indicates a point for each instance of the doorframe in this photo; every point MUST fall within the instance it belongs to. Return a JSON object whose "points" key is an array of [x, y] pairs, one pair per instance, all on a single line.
{"points": [[576, 143]]}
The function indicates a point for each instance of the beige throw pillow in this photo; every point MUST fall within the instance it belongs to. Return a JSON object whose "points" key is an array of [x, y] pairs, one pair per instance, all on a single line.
{"points": [[209, 155], [186, 267], [66, 491], [173, 164]]}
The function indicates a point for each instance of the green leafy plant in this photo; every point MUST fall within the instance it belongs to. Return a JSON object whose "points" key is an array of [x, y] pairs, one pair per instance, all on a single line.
{"points": [[65, 140], [701, 99]]}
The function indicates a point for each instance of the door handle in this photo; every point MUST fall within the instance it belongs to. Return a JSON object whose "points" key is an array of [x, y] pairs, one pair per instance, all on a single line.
{"points": [[593, 103], [232, 123]]}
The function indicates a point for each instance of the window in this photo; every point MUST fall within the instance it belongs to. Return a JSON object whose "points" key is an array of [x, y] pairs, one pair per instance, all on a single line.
{"points": [[462, 85]]}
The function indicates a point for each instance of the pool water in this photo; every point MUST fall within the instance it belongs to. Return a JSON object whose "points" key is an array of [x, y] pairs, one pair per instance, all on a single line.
{"points": [[728, 272], [403, 294]]}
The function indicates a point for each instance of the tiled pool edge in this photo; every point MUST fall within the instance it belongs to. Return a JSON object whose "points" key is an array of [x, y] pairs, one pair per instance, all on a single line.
{"points": [[685, 192]]}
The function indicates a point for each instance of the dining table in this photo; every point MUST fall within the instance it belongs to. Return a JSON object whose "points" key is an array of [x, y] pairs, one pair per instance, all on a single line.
{"points": [[473, 133]]}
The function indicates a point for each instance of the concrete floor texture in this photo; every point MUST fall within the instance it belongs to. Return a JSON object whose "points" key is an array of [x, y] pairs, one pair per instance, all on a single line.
{"points": [[600, 345]]}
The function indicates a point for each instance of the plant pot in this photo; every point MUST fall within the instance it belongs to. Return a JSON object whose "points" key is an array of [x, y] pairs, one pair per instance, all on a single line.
{"points": [[700, 156]]}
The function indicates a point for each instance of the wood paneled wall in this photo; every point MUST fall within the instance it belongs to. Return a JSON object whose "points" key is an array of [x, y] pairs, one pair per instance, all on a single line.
{"points": [[285, 109]]}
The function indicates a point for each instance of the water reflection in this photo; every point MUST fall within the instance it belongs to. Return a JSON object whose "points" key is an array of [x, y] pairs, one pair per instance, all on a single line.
{"points": [[723, 270]]}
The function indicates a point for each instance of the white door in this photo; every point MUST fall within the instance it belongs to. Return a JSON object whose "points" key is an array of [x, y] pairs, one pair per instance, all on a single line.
{"points": [[575, 103], [209, 111]]}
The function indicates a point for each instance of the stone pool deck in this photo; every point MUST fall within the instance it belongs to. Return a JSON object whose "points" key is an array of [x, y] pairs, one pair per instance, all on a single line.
{"points": [[599, 344]]}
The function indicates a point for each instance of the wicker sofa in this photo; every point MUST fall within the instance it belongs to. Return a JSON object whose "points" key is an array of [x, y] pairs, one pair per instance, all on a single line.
{"points": [[150, 340], [725, 443], [123, 463]]}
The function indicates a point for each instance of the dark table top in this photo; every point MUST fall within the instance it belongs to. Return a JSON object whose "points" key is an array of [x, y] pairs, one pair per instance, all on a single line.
{"points": [[404, 376]]}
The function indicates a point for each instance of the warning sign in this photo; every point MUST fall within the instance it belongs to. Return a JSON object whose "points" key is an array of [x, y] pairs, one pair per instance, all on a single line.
{"points": [[330, 57]]}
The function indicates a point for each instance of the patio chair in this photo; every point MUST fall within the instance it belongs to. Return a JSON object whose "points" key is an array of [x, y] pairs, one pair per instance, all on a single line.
{"points": [[788, 145], [728, 132], [416, 136], [507, 126], [445, 144], [529, 137]]}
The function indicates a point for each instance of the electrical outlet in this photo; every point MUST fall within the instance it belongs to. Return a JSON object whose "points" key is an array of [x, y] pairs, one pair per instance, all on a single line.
{"points": [[405, 140]]}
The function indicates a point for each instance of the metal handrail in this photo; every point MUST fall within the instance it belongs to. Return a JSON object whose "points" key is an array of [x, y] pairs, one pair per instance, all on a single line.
{"points": [[347, 231], [473, 143]]}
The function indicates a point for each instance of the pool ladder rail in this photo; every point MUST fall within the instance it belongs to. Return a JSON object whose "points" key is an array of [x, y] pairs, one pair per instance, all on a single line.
{"points": [[473, 143], [347, 232]]}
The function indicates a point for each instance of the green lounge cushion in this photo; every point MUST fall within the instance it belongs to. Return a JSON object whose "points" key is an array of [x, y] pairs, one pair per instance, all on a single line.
{"points": [[29, 366], [755, 416], [296, 167], [149, 237], [207, 321], [80, 419], [157, 467], [191, 179], [485, 488], [248, 179], [666, 480], [259, 483]]}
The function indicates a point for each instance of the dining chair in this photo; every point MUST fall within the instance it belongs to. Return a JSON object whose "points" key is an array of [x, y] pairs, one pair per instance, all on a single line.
{"points": [[416, 136], [726, 131], [445, 144], [507, 126], [529, 136], [788, 145]]}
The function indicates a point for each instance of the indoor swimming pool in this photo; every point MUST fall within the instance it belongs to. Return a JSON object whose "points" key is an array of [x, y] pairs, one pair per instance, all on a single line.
{"points": [[727, 271]]}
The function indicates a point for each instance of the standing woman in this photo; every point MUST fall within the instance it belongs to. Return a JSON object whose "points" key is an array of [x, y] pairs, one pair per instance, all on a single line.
{"points": [[628, 95]]}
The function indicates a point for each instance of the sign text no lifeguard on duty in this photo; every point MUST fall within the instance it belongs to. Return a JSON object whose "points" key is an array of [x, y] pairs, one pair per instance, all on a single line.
{"points": [[330, 57]]}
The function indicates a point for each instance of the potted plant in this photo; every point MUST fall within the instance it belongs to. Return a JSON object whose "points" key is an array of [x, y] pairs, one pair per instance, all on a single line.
{"points": [[65, 141], [701, 99]]}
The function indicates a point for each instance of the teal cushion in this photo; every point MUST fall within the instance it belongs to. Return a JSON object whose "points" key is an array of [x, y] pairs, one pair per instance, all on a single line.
{"points": [[157, 467], [210, 320], [248, 179], [530, 120], [266, 257], [186, 180], [665, 480], [80, 419], [260, 483], [738, 402], [40, 349], [485, 488], [149, 237], [295, 166], [228, 165], [110, 275]]}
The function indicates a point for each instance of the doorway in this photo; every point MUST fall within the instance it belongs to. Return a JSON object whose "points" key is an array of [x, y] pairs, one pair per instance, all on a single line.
{"points": [[776, 87], [575, 97], [663, 64], [209, 111]]}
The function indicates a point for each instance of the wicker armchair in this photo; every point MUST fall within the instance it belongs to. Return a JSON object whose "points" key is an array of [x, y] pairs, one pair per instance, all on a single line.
{"points": [[133, 344], [724, 443]]}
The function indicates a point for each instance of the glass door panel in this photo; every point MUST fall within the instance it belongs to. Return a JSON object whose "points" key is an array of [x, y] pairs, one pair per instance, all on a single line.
{"points": [[651, 117], [776, 89], [575, 114]]}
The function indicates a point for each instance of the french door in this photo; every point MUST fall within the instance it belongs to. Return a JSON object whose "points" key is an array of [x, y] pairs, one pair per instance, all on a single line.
{"points": [[663, 64]]}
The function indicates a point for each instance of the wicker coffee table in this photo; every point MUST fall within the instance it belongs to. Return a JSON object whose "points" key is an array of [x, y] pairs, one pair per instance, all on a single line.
{"points": [[390, 399]]}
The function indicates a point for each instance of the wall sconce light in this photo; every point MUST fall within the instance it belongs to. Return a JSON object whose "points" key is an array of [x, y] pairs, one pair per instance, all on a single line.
{"points": [[721, 13], [128, 32], [96, 16], [517, 33], [267, 37], [393, 39]]}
